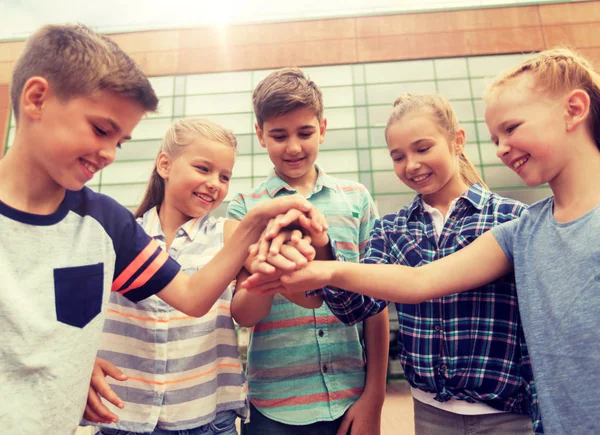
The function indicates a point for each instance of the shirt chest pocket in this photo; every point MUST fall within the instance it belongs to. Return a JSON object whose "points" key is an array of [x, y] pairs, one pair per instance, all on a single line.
{"points": [[343, 220], [78, 293]]}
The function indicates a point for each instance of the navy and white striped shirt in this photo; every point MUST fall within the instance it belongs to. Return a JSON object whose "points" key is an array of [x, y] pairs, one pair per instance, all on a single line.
{"points": [[467, 346]]}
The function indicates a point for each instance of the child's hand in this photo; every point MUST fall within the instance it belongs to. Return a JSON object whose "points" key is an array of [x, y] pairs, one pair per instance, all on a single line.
{"points": [[95, 410], [281, 206], [315, 275], [312, 223], [288, 251]]}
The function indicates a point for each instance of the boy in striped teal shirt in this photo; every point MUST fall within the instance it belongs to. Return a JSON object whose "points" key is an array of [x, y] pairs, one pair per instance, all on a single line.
{"points": [[306, 370]]}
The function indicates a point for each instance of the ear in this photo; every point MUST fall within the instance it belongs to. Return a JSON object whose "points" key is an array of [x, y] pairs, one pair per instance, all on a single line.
{"points": [[322, 129], [460, 141], [260, 135], [577, 109], [163, 165], [35, 93]]}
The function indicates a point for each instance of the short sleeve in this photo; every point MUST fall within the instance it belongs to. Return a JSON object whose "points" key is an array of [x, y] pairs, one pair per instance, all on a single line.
{"points": [[237, 208], [506, 235], [142, 268]]}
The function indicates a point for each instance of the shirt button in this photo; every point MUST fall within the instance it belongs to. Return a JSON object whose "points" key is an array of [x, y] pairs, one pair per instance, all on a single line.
{"points": [[438, 328], [444, 367], [321, 333], [180, 233], [324, 368]]}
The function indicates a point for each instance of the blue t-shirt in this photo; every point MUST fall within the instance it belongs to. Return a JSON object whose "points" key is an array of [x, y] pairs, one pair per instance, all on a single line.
{"points": [[558, 284]]}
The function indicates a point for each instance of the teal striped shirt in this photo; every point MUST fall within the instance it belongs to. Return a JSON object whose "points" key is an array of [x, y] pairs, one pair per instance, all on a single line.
{"points": [[304, 365]]}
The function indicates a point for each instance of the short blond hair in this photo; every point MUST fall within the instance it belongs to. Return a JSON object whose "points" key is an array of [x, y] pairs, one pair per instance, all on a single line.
{"points": [[76, 61], [445, 118], [557, 71], [283, 91]]}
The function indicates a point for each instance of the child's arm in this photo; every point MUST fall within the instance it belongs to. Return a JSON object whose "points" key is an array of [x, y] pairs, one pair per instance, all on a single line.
{"points": [[365, 414], [195, 295], [481, 262]]}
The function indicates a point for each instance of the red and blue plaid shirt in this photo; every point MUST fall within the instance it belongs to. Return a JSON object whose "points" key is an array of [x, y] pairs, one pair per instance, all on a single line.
{"points": [[468, 346]]}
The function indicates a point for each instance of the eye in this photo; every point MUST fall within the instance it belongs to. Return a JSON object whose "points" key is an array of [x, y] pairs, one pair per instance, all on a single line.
{"points": [[225, 178], [511, 128], [279, 138], [305, 135], [423, 150], [398, 158], [202, 168], [98, 130]]}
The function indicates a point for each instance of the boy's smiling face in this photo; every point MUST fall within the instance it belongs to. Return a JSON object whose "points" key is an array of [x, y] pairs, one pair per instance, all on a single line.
{"points": [[73, 139], [292, 141]]}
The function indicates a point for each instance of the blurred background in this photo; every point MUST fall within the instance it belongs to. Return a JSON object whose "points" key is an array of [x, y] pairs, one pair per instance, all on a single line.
{"points": [[204, 59]]}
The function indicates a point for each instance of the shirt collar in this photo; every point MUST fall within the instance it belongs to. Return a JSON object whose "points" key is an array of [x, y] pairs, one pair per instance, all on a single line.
{"points": [[275, 184], [477, 196], [152, 226]]}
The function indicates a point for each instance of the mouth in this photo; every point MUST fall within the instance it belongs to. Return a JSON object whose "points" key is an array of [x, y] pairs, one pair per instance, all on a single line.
{"points": [[89, 168], [518, 163], [420, 178], [294, 162], [204, 197]]}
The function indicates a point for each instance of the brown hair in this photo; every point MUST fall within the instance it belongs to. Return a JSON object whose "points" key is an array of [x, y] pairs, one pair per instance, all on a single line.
{"points": [[445, 118], [558, 71], [76, 61], [181, 134], [286, 90]]}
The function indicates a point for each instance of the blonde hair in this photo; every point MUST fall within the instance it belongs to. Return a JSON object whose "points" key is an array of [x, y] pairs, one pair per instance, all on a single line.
{"points": [[181, 134], [77, 61], [283, 91], [445, 118], [557, 71]]}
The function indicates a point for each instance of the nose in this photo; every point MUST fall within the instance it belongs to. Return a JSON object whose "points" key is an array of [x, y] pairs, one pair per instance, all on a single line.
{"points": [[502, 149], [412, 165], [108, 154], [212, 181], [293, 147]]}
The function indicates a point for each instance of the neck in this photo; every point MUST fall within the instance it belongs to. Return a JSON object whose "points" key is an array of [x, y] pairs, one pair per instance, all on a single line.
{"points": [[575, 188], [444, 197], [170, 220], [25, 186], [305, 184]]}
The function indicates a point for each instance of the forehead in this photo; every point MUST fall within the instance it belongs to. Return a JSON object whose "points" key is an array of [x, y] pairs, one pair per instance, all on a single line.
{"points": [[215, 151], [413, 126], [292, 120]]}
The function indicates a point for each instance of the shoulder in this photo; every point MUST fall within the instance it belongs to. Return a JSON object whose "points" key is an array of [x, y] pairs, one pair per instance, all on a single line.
{"points": [[100, 207], [505, 208]]}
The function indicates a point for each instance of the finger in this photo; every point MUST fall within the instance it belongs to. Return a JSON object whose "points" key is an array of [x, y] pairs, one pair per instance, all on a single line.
{"points": [[294, 255], [306, 249], [279, 240], [267, 288], [95, 405], [306, 223], [345, 425], [280, 262], [253, 249], [111, 370], [296, 236], [283, 221], [254, 280], [264, 268], [262, 249], [92, 417]]}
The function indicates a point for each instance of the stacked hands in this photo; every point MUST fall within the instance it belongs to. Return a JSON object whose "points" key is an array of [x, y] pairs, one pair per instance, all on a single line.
{"points": [[281, 260]]}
